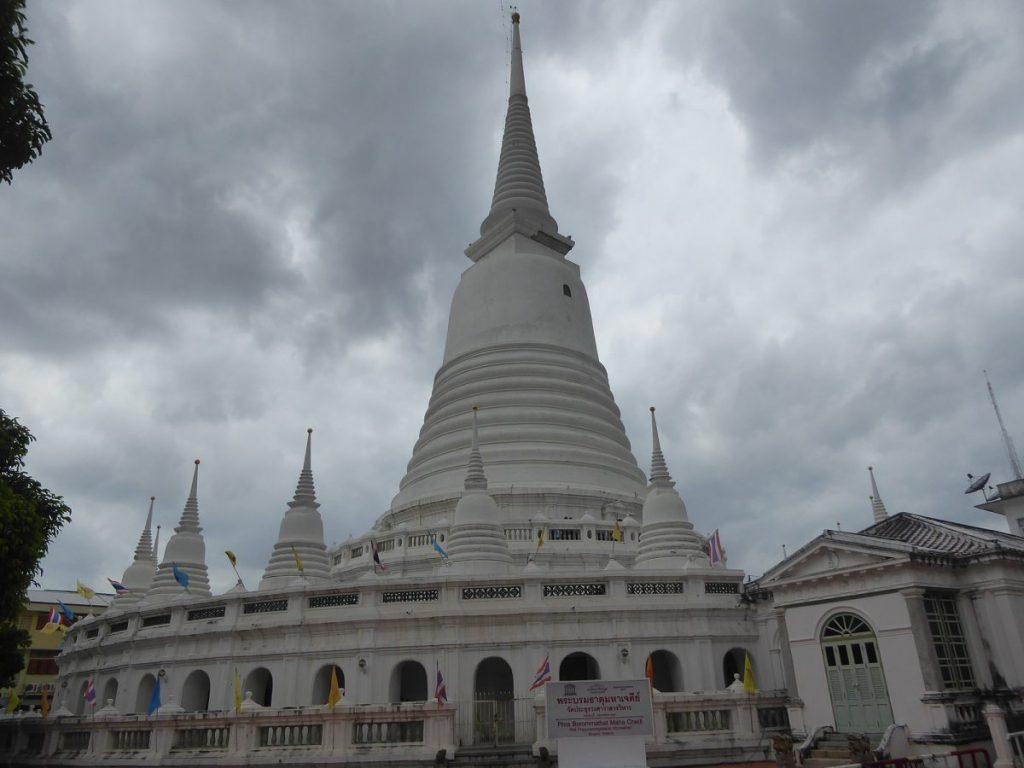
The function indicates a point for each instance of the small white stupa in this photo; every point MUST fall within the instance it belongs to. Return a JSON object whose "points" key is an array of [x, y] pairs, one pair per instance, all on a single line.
{"points": [[301, 536], [477, 542], [667, 538], [138, 577], [185, 550]]}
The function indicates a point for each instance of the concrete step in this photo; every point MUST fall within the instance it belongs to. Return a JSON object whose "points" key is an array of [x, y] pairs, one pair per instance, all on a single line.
{"points": [[831, 752], [825, 762]]}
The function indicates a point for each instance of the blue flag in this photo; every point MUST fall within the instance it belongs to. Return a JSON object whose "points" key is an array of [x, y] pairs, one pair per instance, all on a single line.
{"points": [[66, 612], [180, 576], [154, 700]]}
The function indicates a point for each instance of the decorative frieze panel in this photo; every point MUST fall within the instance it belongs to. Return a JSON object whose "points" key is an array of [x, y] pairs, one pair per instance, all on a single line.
{"points": [[266, 606], [497, 592], [409, 596], [575, 590], [654, 588], [119, 626], [330, 601], [90, 634], [721, 587], [156, 621], [211, 612]]}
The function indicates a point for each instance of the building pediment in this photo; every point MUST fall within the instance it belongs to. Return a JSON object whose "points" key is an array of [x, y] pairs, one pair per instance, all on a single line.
{"points": [[827, 557]]}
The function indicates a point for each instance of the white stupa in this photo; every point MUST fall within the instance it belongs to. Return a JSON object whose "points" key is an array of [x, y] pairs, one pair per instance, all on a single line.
{"points": [[301, 534], [477, 543], [138, 577], [185, 550], [667, 538]]}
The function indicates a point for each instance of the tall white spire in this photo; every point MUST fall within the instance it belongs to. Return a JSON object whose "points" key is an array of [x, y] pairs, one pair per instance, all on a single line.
{"points": [[301, 534], [138, 577], [1011, 449], [667, 538], [186, 550], [878, 509], [477, 542], [156, 548]]}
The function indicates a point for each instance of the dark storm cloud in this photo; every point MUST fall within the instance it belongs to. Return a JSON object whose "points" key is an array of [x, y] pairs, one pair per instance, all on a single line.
{"points": [[799, 225]]}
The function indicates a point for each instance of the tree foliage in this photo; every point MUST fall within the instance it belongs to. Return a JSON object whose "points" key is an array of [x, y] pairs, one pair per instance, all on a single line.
{"points": [[30, 518], [23, 128]]}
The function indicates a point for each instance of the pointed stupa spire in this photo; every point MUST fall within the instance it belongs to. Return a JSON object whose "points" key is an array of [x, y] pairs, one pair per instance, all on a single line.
{"points": [[138, 577], [186, 550], [156, 547], [659, 470], [301, 535], [667, 538], [877, 505], [475, 477], [519, 194], [477, 542]]}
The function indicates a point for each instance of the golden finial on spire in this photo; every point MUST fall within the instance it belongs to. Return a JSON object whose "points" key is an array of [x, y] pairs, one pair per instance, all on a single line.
{"points": [[515, 17], [309, 431], [197, 461]]}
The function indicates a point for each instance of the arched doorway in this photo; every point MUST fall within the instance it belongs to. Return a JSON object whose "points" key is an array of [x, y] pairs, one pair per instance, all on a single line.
{"points": [[109, 691], [668, 673], [853, 668], [145, 694], [494, 716], [733, 663], [261, 683], [579, 666], [195, 695], [80, 704], [409, 682], [322, 683]]}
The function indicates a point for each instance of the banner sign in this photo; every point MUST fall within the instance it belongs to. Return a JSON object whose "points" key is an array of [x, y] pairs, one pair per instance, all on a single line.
{"points": [[599, 708]]}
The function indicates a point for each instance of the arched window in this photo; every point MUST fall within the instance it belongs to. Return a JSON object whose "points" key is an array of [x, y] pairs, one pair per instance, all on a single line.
{"points": [[566, 290], [493, 680], [408, 682], [668, 674], [109, 691], [145, 694], [322, 683], [845, 625], [261, 683], [195, 695], [733, 664], [579, 666]]}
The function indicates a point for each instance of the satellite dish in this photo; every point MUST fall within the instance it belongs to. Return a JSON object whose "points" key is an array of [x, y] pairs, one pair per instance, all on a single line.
{"points": [[977, 483]]}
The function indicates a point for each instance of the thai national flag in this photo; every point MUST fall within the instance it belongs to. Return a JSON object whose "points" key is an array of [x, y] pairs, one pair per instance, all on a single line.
{"points": [[716, 554], [119, 588], [90, 692], [440, 690], [543, 674], [376, 558]]}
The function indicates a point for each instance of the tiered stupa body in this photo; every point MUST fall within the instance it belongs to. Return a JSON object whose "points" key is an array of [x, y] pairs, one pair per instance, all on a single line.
{"points": [[521, 347]]}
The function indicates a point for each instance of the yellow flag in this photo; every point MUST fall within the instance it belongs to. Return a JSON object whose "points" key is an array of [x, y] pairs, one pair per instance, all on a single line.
{"points": [[335, 695], [231, 558], [298, 562], [540, 538], [748, 676], [12, 701], [49, 628], [44, 705], [617, 532], [238, 693], [84, 591]]}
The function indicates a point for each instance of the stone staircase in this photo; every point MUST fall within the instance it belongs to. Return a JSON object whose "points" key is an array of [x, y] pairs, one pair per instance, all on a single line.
{"points": [[512, 756], [833, 749]]}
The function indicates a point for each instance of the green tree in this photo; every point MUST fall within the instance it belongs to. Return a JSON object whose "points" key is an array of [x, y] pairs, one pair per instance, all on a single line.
{"points": [[30, 518], [23, 128]]}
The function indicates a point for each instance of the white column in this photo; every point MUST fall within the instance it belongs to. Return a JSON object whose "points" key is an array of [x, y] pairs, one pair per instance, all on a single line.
{"points": [[995, 718]]}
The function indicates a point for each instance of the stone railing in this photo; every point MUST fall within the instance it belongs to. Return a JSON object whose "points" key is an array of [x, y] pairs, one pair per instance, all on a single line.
{"points": [[715, 721], [394, 731]]}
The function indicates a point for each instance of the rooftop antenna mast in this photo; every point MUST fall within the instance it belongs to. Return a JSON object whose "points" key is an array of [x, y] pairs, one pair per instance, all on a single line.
{"points": [[1011, 450]]}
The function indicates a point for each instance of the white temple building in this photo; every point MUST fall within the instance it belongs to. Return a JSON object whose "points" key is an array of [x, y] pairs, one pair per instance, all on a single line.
{"points": [[523, 529]]}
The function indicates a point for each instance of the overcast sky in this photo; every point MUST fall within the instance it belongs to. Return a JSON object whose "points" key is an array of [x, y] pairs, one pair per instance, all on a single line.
{"points": [[799, 224]]}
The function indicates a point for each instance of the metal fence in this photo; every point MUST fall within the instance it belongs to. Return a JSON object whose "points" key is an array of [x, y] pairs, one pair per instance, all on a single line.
{"points": [[1017, 744], [495, 722]]}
